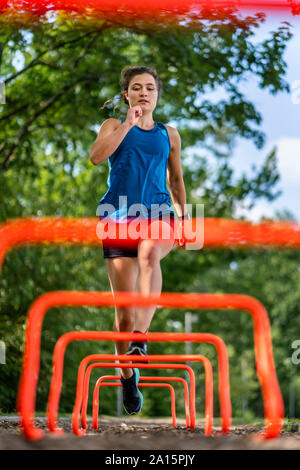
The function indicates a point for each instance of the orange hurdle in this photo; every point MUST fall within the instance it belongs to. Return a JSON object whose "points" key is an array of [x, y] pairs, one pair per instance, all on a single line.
{"points": [[222, 233], [218, 233], [118, 377], [56, 383], [166, 11], [273, 403], [116, 384], [64, 340], [83, 385]]}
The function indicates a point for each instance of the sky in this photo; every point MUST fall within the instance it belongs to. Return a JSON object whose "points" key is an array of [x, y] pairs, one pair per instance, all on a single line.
{"points": [[281, 125]]}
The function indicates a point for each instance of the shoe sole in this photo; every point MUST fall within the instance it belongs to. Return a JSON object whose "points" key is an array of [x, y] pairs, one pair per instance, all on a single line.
{"points": [[137, 378], [138, 353], [139, 362]]}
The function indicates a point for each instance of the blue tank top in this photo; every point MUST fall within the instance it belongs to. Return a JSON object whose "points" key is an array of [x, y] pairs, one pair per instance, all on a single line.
{"points": [[137, 175]]}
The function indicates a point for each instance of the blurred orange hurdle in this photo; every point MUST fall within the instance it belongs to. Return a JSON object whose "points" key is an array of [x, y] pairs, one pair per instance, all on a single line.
{"points": [[118, 377], [218, 233], [126, 14]]}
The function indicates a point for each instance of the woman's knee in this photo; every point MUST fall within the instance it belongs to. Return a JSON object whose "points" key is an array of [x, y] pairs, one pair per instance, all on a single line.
{"points": [[125, 319], [148, 255]]}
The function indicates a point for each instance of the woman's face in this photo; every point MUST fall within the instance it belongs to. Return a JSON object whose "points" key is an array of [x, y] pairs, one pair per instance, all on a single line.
{"points": [[142, 91]]}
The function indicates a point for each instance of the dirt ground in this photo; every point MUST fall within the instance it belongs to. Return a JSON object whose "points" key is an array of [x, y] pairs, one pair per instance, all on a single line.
{"points": [[144, 434]]}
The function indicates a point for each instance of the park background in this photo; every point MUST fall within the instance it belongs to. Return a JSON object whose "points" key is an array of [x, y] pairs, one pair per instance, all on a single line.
{"points": [[227, 87]]}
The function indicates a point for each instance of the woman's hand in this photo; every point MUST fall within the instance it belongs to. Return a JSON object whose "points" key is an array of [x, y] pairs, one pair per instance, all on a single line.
{"points": [[180, 233], [133, 115]]}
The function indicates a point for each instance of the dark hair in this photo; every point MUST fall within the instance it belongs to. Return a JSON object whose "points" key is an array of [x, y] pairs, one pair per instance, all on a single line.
{"points": [[130, 71], [127, 74]]}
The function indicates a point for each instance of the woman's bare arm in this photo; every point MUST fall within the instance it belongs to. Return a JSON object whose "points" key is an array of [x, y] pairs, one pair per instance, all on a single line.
{"points": [[174, 173], [110, 135]]}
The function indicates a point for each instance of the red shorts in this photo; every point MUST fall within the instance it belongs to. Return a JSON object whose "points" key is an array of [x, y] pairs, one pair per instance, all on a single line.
{"points": [[115, 248]]}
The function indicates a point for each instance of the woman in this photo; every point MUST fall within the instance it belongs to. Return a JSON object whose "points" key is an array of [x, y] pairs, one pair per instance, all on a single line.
{"points": [[142, 155]]}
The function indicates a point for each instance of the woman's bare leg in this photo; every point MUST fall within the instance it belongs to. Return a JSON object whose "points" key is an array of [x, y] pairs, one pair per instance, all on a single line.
{"points": [[123, 273], [142, 274], [150, 253]]}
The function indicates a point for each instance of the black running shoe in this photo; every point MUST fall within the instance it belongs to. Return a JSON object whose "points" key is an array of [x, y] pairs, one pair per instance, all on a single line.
{"points": [[132, 398], [138, 348]]}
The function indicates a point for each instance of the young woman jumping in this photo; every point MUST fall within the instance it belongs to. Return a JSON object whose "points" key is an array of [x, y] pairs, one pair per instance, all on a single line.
{"points": [[142, 154]]}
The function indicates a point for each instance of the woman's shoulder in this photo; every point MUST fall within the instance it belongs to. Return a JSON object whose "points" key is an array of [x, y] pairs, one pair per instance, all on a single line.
{"points": [[172, 130], [173, 134], [111, 123]]}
